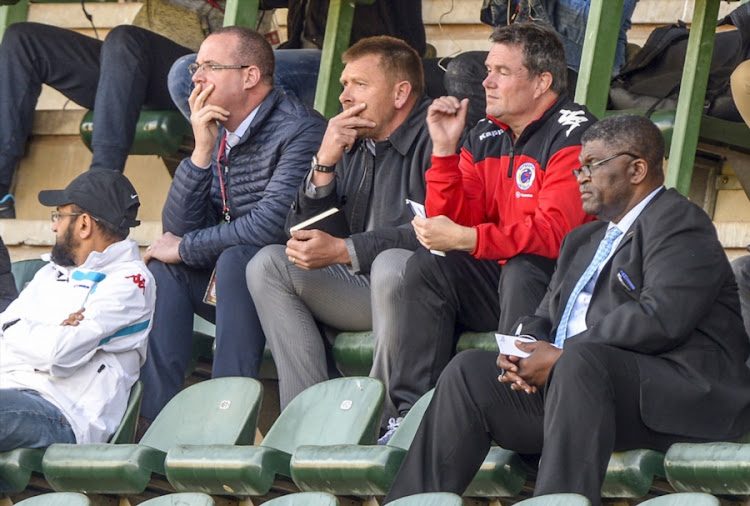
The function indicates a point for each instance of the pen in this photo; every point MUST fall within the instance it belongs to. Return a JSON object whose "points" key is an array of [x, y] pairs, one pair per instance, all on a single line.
{"points": [[625, 280]]}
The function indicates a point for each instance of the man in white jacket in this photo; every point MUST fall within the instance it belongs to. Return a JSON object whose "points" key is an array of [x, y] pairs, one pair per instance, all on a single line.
{"points": [[72, 344]]}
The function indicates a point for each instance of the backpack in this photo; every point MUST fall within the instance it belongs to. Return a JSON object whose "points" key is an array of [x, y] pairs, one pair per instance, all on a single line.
{"points": [[651, 80]]}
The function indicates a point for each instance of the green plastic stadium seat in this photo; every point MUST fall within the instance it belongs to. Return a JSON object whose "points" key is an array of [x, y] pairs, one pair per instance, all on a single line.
{"points": [[217, 411], [429, 499], [157, 132], [556, 500], [631, 474], [353, 351], [683, 499], [304, 499], [714, 468], [125, 432], [181, 499], [353, 469], [57, 499], [502, 474], [24, 271], [16, 466], [476, 341], [339, 411]]}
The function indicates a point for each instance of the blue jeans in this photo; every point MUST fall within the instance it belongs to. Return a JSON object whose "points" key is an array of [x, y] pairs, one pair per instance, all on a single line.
{"points": [[29, 421], [239, 336], [116, 78], [296, 75], [567, 17]]}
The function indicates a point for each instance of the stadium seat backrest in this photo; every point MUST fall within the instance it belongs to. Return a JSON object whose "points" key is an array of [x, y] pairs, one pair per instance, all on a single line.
{"points": [[125, 433], [429, 499], [338, 411], [215, 411], [24, 270], [304, 499], [57, 499], [181, 499], [683, 499], [556, 500], [404, 435]]}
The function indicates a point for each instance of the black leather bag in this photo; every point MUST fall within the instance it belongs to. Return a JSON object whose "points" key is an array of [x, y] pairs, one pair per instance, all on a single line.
{"points": [[651, 80]]}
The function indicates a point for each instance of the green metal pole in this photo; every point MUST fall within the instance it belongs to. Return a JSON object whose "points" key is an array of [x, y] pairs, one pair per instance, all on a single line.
{"points": [[692, 95], [338, 32], [241, 13], [598, 57]]}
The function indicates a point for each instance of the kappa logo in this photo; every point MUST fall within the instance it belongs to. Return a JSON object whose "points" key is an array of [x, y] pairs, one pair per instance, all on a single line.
{"points": [[572, 119], [491, 133], [139, 280], [525, 175]]}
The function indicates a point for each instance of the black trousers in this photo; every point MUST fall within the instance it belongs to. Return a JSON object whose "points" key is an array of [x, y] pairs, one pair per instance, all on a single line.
{"points": [[445, 295], [589, 408], [115, 77]]}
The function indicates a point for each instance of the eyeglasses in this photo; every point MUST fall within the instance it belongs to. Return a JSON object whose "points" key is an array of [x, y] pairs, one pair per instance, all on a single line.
{"points": [[589, 167], [56, 215], [210, 67]]}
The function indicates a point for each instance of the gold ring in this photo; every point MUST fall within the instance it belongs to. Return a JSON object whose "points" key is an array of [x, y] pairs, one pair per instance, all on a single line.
{"points": [[293, 260]]}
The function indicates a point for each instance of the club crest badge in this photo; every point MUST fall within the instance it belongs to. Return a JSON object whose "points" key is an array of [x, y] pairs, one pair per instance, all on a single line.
{"points": [[525, 176]]}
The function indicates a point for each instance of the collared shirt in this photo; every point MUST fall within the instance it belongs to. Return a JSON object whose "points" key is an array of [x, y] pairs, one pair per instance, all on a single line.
{"points": [[577, 321], [233, 138]]}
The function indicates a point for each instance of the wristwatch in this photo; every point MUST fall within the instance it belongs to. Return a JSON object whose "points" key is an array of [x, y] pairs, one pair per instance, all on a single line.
{"points": [[320, 168]]}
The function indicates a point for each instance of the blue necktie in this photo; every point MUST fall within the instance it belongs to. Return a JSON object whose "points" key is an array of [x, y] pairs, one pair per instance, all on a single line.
{"points": [[602, 252]]}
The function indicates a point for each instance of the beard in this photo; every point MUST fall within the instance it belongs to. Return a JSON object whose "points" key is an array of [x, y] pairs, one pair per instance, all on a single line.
{"points": [[62, 251]]}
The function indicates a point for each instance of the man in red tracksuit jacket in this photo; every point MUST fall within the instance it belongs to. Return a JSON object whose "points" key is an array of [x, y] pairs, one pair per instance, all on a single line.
{"points": [[499, 209]]}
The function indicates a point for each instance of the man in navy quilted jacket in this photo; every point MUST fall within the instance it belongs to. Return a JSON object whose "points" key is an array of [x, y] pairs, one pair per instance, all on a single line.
{"points": [[253, 145]]}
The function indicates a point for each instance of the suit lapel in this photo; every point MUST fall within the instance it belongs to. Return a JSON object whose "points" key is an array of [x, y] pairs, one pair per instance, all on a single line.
{"points": [[582, 258], [629, 234]]}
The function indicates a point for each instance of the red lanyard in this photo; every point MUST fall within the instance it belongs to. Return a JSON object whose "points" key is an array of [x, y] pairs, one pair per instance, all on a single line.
{"points": [[222, 158]]}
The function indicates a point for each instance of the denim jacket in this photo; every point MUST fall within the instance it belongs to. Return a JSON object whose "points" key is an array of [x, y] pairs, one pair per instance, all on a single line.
{"points": [[567, 17]]}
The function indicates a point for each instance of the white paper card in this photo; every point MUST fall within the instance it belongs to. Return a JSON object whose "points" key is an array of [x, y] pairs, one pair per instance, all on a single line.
{"points": [[507, 344], [418, 210]]}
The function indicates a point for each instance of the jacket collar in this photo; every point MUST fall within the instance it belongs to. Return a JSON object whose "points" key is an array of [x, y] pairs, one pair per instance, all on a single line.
{"points": [[121, 251], [265, 109], [404, 136], [535, 125]]}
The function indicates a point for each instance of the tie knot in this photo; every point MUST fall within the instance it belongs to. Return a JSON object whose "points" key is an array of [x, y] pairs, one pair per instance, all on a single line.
{"points": [[612, 234]]}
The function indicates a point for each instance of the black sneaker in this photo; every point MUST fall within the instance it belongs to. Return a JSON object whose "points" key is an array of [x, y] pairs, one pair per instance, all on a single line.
{"points": [[8, 207]]}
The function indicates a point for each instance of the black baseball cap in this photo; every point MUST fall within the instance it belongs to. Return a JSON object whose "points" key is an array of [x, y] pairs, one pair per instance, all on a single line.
{"points": [[105, 194]]}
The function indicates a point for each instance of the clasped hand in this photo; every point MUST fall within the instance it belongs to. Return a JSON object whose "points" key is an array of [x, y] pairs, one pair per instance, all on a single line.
{"points": [[529, 374]]}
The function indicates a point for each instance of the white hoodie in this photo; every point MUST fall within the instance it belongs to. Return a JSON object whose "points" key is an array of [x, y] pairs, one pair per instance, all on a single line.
{"points": [[87, 370]]}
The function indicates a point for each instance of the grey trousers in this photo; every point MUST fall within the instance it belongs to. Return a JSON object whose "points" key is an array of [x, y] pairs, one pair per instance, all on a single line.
{"points": [[290, 301]]}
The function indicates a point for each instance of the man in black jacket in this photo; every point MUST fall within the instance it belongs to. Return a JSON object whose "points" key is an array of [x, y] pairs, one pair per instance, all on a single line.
{"points": [[372, 158], [640, 341], [228, 200]]}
